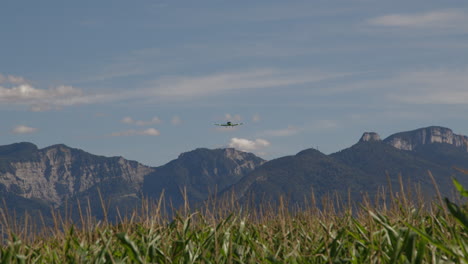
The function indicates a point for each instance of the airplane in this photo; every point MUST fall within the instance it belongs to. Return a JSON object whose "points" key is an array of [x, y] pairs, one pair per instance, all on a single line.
{"points": [[229, 124]]}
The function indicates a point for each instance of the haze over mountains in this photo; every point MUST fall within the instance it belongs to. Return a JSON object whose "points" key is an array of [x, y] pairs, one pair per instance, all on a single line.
{"points": [[61, 177]]}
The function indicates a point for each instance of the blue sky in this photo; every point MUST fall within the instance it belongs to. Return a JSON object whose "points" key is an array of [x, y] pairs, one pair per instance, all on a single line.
{"points": [[147, 80]]}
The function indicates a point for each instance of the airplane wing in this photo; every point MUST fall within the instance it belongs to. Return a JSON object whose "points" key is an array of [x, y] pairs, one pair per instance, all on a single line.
{"points": [[229, 125]]}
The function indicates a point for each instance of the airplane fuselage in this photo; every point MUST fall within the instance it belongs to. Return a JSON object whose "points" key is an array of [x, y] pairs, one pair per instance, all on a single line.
{"points": [[229, 124]]}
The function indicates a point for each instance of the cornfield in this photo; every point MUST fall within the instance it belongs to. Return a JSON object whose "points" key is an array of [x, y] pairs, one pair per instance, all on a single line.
{"points": [[400, 230]]}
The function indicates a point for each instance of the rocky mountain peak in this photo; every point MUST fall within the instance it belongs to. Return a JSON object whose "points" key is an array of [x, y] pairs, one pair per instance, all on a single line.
{"points": [[228, 153], [234, 154], [200, 171], [56, 173], [412, 139], [370, 137]]}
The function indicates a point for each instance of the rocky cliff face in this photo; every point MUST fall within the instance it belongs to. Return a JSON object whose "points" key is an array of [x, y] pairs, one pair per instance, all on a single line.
{"points": [[412, 139], [201, 172], [57, 173], [369, 137]]}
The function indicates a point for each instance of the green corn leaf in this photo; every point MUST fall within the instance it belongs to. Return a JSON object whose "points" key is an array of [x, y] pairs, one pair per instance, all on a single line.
{"points": [[131, 247], [421, 251], [457, 213], [460, 188], [442, 246]]}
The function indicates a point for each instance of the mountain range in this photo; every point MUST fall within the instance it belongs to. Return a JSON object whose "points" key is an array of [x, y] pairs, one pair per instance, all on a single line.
{"points": [[64, 178]]}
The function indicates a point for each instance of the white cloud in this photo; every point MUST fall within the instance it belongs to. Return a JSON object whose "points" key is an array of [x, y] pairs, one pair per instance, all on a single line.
{"points": [[248, 145], [128, 120], [44, 99], [17, 90], [133, 132], [150, 132], [434, 19], [26, 92], [22, 129]]}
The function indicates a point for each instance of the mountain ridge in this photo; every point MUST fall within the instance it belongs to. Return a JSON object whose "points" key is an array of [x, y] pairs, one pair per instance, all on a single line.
{"points": [[59, 172], [51, 176], [372, 161], [202, 170], [410, 140]]}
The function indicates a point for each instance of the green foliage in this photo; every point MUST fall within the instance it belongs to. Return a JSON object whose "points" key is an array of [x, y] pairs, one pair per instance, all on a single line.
{"points": [[398, 232]]}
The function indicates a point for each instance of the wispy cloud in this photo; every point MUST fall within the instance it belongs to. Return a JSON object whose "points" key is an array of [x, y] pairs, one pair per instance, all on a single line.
{"points": [[153, 121], [435, 19], [133, 132], [22, 129], [410, 86], [248, 145], [52, 98], [176, 120], [431, 87], [11, 79], [322, 125], [164, 89], [189, 87], [318, 125], [284, 132], [27, 93], [436, 97], [134, 63]]}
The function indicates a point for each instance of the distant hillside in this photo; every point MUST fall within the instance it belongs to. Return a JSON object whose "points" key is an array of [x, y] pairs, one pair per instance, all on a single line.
{"points": [[297, 177], [379, 159], [202, 172], [363, 167]]}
